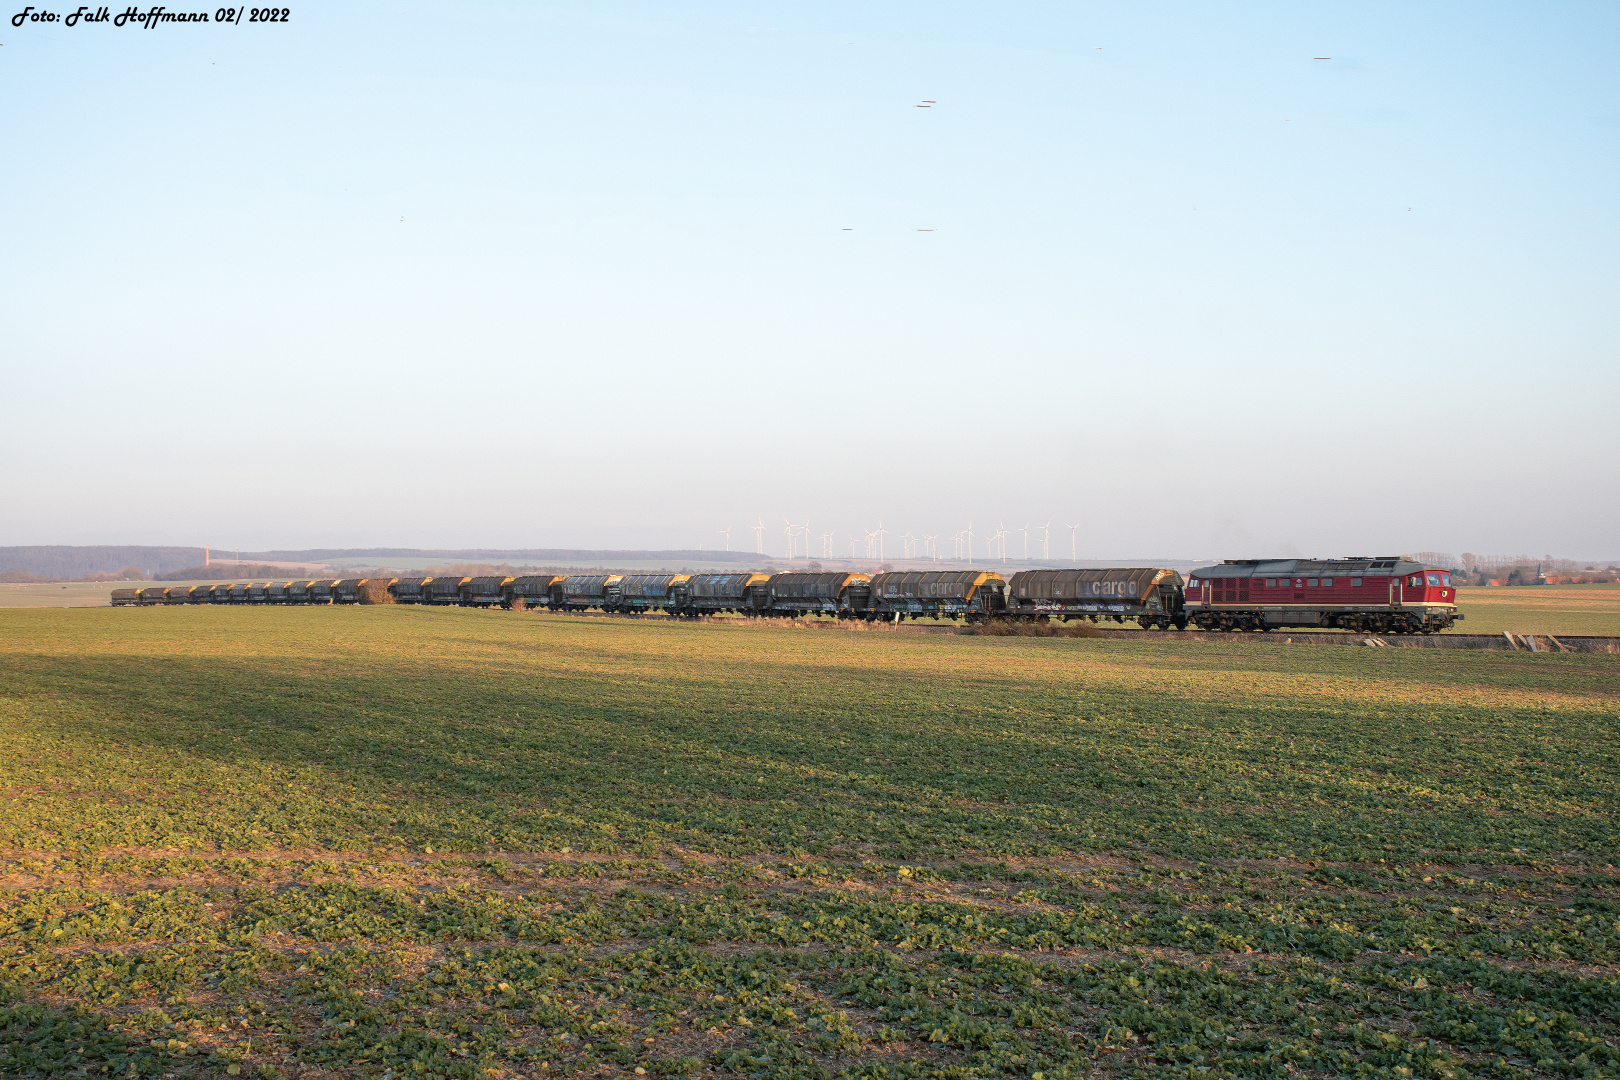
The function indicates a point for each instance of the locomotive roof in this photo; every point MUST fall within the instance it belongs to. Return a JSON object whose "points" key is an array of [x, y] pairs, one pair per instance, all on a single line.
{"points": [[1374, 566]]}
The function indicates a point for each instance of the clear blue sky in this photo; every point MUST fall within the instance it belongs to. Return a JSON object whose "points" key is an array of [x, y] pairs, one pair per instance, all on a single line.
{"points": [[544, 275]]}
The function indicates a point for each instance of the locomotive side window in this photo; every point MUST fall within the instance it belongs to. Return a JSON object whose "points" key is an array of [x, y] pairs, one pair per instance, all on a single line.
{"points": [[1415, 580], [1311, 582], [1271, 583], [1327, 583], [1355, 582]]}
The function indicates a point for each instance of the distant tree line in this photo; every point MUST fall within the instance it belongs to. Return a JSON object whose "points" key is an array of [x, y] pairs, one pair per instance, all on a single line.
{"points": [[233, 572], [23, 577]]}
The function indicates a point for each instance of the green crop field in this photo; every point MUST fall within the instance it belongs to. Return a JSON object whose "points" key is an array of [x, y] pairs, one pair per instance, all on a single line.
{"points": [[1541, 609], [406, 843]]}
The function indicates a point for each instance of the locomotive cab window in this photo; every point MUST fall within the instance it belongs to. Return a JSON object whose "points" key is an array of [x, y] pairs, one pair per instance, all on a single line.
{"points": [[1445, 579], [1415, 580], [1434, 579]]}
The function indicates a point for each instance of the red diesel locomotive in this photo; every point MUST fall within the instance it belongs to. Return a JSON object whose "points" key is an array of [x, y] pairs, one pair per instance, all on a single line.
{"points": [[1382, 595]]}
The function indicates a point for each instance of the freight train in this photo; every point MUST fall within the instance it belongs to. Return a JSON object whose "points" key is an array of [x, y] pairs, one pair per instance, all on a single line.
{"points": [[1389, 594]]}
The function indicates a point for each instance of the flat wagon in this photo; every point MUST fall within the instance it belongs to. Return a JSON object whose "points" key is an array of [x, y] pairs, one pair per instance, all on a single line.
{"points": [[949, 594], [1154, 597], [1384, 594]]}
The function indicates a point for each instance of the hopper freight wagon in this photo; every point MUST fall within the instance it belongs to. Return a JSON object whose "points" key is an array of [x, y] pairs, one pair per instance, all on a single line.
{"points": [[126, 597], [535, 590], [298, 592], [839, 594], [407, 590], [1153, 597], [709, 594], [177, 594], [347, 590], [202, 594], [239, 592], [151, 596], [638, 593], [1384, 595], [584, 592], [483, 591], [275, 592], [947, 594], [220, 594], [319, 592], [443, 590]]}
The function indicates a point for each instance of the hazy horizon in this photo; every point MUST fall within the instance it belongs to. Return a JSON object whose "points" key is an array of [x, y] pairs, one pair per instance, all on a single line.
{"points": [[1260, 281]]}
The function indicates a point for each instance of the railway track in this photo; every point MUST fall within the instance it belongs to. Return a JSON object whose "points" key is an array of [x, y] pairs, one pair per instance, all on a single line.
{"points": [[1539, 643]]}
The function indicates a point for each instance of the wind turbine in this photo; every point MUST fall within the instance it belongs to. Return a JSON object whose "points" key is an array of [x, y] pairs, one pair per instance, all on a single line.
{"points": [[826, 545], [1073, 558], [1046, 542], [880, 534], [1025, 531], [726, 532], [970, 543], [933, 549], [759, 537], [852, 543]]}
